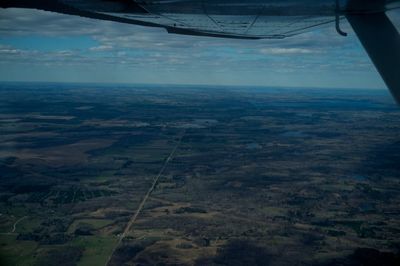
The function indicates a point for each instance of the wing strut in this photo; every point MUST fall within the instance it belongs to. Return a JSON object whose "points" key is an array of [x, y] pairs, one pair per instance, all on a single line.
{"points": [[337, 20], [381, 40]]}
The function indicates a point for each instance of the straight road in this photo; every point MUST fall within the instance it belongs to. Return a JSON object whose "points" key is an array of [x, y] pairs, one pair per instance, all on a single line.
{"points": [[143, 202]]}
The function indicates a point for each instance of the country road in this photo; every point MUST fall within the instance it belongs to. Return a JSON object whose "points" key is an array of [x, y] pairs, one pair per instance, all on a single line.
{"points": [[143, 202], [16, 222]]}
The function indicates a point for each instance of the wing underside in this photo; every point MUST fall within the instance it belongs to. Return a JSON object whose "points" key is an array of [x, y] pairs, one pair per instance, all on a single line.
{"points": [[270, 27], [218, 18]]}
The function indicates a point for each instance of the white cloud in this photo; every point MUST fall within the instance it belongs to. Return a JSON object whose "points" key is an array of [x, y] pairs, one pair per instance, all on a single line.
{"points": [[101, 48], [283, 51]]}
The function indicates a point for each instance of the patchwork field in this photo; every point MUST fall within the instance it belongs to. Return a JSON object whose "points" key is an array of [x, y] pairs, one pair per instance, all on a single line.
{"points": [[157, 175]]}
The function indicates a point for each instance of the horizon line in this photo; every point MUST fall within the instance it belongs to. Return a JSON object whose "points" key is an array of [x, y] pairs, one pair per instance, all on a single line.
{"points": [[193, 85]]}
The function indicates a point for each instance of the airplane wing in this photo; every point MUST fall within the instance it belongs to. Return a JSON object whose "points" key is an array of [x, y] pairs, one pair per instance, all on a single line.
{"points": [[250, 19], [244, 27], [253, 19]]}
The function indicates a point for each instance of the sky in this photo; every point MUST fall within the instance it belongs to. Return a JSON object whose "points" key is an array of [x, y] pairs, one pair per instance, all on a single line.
{"points": [[44, 46]]}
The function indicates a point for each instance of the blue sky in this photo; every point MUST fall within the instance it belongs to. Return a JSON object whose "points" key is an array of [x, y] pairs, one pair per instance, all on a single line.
{"points": [[44, 46]]}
